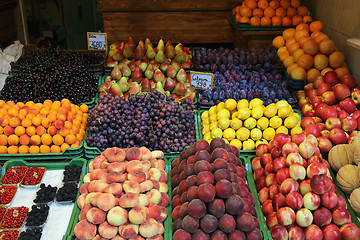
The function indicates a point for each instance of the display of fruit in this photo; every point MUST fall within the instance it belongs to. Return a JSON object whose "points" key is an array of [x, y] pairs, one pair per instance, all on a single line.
{"points": [[45, 194], [42, 127], [9, 234], [72, 173], [271, 13], [2, 212], [7, 193], [331, 101], [297, 193], [14, 175], [240, 74], [167, 78], [307, 52], [150, 119], [247, 124], [348, 178], [210, 195], [52, 74], [67, 193], [355, 201], [147, 52], [14, 218], [124, 195], [33, 176], [31, 234], [37, 216]]}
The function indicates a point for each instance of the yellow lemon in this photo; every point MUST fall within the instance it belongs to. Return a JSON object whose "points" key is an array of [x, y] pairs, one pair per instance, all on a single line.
{"points": [[242, 134], [223, 113], [255, 102], [244, 113], [206, 121], [281, 103], [216, 133], [229, 134], [209, 141], [212, 110], [237, 143], [243, 103], [257, 111], [296, 115], [256, 134], [213, 118], [205, 115], [284, 112], [249, 145], [234, 115], [250, 123], [220, 106], [269, 134], [270, 110], [262, 123], [223, 123], [290, 122], [207, 136], [213, 126], [230, 104], [296, 130], [261, 141], [226, 141], [275, 122], [205, 129], [236, 123], [282, 129]]}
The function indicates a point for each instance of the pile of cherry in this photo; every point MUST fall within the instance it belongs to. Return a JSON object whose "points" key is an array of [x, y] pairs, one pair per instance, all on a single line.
{"points": [[211, 196]]}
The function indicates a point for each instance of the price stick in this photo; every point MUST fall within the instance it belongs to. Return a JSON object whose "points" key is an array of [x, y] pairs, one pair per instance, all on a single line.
{"points": [[97, 41], [201, 80]]}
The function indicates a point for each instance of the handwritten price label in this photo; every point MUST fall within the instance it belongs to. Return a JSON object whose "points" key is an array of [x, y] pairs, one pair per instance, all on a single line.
{"points": [[200, 80], [97, 41]]}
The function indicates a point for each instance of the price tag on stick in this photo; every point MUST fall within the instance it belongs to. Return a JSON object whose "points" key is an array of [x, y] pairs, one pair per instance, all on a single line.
{"points": [[97, 41], [200, 80]]}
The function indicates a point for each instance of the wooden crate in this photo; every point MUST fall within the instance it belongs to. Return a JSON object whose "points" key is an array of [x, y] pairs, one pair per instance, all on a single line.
{"points": [[7, 22]]}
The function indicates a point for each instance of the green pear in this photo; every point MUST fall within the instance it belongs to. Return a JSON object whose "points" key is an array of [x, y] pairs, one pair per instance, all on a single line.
{"points": [[160, 57], [160, 46], [126, 71], [150, 52]]}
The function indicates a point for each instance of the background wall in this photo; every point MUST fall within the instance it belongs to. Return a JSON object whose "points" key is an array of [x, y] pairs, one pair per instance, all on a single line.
{"points": [[341, 20]]}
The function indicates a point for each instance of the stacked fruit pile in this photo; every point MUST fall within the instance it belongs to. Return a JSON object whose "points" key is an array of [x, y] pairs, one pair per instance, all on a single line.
{"points": [[246, 125], [52, 74], [122, 53], [307, 52], [242, 74], [334, 102], [297, 192], [271, 13], [152, 120], [210, 194], [169, 79], [41, 127], [123, 196]]}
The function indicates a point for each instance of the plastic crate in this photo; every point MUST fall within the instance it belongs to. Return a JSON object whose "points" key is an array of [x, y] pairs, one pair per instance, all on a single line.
{"points": [[295, 84]]}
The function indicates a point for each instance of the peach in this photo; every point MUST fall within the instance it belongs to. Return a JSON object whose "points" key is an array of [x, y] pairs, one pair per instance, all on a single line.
{"points": [[52, 130], [128, 230], [146, 165], [116, 167], [137, 176], [93, 174], [146, 186], [154, 210], [137, 237], [149, 228], [117, 216], [107, 231], [88, 197], [86, 178], [115, 154], [40, 130], [94, 198], [163, 177], [160, 229], [91, 166], [145, 153], [154, 162], [163, 187], [104, 165], [106, 201], [143, 200], [148, 176], [59, 124], [154, 196], [163, 215], [8, 130], [100, 185], [156, 237], [157, 154], [129, 200], [84, 188], [95, 215], [81, 200], [118, 238], [102, 174], [83, 211], [24, 139], [91, 186], [113, 188], [155, 174], [131, 186], [164, 200], [134, 165], [84, 230], [133, 153], [98, 237], [113, 177], [139, 215], [98, 161]]}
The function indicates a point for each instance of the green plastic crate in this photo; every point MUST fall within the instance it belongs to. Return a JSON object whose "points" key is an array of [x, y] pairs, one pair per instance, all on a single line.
{"points": [[53, 166]]}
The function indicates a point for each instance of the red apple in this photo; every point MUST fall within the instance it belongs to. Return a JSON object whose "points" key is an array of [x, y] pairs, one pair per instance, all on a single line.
{"points": [[329, 98], [302, 101], [325, 133], [312, 129], [296, 232], [306, 121], [350, 231], [318, 80], [318, 120], [332, 232], [349, 81], [320, 183], [355, 95], [294, 200], [317, 100], [324, 87], [332, 122], [313, 232], [308, 87], [348, 105], [340, 216], [279, 232], [316, 168], [342, 114], [349, 124], [312, 94], [310, 113], [319, 108], [329, 200], [280, 139], [324, 144], [338, 136], [341, 91], [331, 77], [355, 114], [298, 138], [279, 163], [261, 149], [321, 126], [306, 107], [299, 94], [327, 112]]}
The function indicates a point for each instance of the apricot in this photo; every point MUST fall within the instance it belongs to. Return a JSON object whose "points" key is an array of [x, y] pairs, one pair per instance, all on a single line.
{"points": [[265, 21], [302, 11], [298, 53], [276, 21], [342, 71], [291, 67], [269, 12], [291, 12], [301, 33], [336, 59], [278, 42], [310, 47], [305, 61], [316, 26], [321, 61], [280, 12], [298, 73], [326, 46], [288, 61], [312, 74]]}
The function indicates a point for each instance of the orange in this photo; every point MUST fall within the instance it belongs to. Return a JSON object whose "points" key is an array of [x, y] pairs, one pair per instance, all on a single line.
{"points": [[298, 53], [336, 59], [281, 50], [342, 71], [30, 116], [307, 19], [85, 116], [44, 149], [46, 122], [245, 12], [82, 132], [65, 101], [24, 139], [286, 21], [289, 33], [293, 47], [302, 11], [78, 117], [295, 3], [14, 122], [58, 139], [34, 149], [321, 37], [276, 21], [278, 42], [3, 112], [74, 129], [36, 121], [55, 149], [316, 26], [255, 21], [302, 26], [291, 12], [244, 20], [280, 12], [288, 61], [321, 61], [64, 146], [274, 4], [265, 21], [3, 140], [269, 12], [302, 40], [312, 74], [19, 130], [31, 131], [291, 67], [258, 13], [70, 139], [83, 126], [326, 46], [61, 116], [64, 131], [285, 4], [298, 73], [262, 4], [252, 4], [296, 20], [44, 111], [13, 149], [2, 102], [301, 33], [284, 55], [46, 139], [289, 42], [310, 47], [23, 149], [13, 140], [3, 149], [305, 61]]}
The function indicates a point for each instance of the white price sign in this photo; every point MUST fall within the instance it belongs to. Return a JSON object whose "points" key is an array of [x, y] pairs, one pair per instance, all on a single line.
{"points": [[97, 41], [200, 80]]}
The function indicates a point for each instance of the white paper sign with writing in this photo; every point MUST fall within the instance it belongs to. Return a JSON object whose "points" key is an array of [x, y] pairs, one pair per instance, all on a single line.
{"points": [[97, 41], [201, 80]]}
